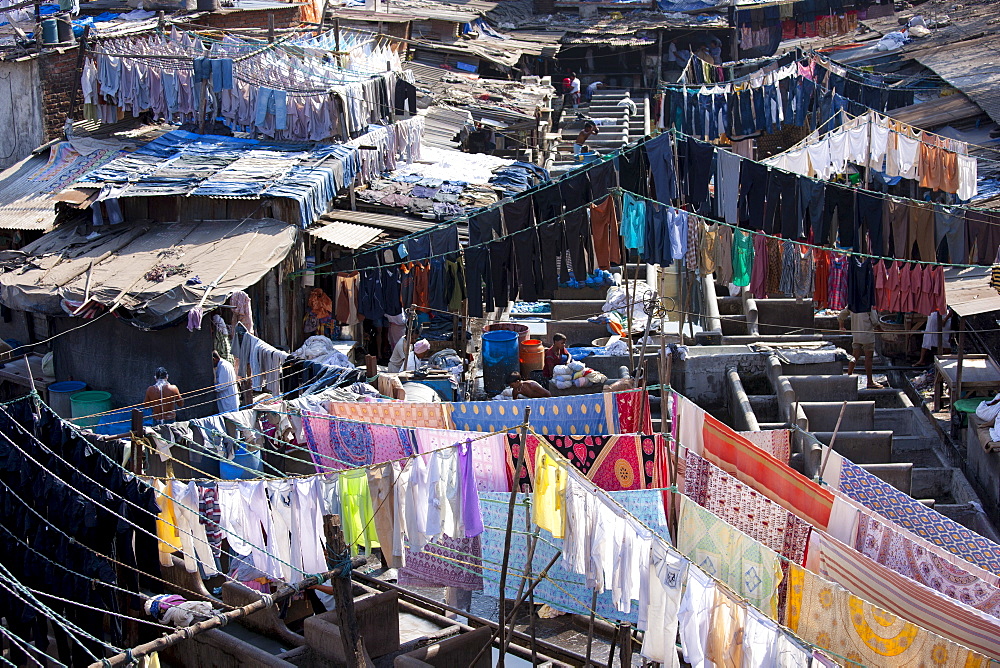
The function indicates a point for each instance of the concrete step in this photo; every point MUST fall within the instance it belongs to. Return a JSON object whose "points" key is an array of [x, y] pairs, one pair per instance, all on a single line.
{"points": [[899, 476], [578, 332], [823, 415], [589, 293], [575, 309], [861, 447]]}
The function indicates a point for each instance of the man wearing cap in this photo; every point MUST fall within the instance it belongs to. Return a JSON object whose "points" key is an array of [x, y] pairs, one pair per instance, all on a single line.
{"points": [[403, 361]]}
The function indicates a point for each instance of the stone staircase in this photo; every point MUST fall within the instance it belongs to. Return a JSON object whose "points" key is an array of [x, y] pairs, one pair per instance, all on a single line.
{"points": [[616, 127]]}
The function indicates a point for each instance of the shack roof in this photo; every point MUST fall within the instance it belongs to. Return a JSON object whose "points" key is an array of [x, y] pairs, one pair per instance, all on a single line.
{"points": [[143, 271], [968, 292], [28, 188]]}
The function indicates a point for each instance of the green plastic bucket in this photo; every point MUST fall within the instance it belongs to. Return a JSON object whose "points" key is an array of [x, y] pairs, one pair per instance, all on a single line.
{"points": [[86, 404]]}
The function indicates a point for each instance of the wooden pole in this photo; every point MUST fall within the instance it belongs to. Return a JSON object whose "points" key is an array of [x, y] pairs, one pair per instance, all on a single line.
{"points": [[350, 635], [961, 356], [590, 630], [502, 627], [270, 28], [625, 645], [77, 84], [336, 37], [833, 439], [531, 543], [510, 527], [137, 432]]}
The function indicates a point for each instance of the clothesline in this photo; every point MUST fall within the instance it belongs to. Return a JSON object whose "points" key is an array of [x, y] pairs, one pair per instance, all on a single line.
{"points": [[908, 201], [804, 244], [128, 521]]}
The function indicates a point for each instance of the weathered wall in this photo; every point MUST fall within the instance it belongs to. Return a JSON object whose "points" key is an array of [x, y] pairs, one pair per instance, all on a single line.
{"points": [[116, 357], [20, 111]]}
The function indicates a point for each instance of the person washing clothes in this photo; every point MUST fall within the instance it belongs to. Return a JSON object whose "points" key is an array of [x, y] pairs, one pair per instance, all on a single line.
{"points": [[403, 361], [863, 328], [163, 398], [556, 355], [589, 130], [525, 389], [593, 88], [226, 388]]}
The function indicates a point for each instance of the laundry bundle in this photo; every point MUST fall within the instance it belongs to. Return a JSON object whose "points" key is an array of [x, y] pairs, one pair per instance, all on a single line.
{"points": [[576, 374]]}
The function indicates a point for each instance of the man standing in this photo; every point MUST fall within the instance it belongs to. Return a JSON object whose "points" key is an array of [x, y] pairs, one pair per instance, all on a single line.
{"points": [[863, 328], [226, 397], [163, 398], [574, 90]]}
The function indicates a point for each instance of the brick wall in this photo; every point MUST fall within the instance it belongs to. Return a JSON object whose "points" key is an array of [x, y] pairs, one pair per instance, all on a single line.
{"points": [[284, 17], [57, 70]]}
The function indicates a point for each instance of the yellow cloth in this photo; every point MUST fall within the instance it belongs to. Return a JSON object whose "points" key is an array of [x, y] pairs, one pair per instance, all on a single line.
{"points": [[829, 616], [548, 507], [166, 526], [725, 636], [357, 514]]}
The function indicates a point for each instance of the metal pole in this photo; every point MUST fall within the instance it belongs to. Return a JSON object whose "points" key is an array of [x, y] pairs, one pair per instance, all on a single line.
{"points": [[510, 527]]}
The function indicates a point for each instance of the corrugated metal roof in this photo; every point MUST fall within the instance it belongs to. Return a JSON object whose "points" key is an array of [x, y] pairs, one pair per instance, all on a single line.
{"points": [[973, 67], [22, 205], [389, 222], [345, 235], [441, 125], [28, 188], [968, 291]]}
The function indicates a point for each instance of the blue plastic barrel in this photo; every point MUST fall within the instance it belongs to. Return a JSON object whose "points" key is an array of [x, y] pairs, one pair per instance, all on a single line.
{"points": [[500, 358], [242, 461], [59, 396], [50, 32]]}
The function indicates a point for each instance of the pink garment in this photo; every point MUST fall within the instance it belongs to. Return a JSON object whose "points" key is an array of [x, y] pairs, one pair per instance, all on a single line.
{"points": [[240, 301], [194, 318], [489, 455], [758, 274]]}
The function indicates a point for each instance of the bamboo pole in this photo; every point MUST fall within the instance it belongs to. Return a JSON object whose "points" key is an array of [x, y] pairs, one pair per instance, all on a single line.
{"points": [[219, 620], [510, 527]]}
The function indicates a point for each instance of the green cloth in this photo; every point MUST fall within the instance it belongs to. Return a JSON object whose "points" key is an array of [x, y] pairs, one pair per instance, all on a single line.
{"points": [[356, 513], [742, 257], [968, 405], [727, 554]]}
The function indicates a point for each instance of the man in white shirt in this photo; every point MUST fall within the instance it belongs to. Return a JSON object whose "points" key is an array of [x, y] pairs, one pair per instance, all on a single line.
{"points": [[592, 88], [226, 397], [403, 361], [574, 90]]}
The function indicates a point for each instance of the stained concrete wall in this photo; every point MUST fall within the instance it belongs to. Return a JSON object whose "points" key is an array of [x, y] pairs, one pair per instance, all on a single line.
{"points": [[20, 111], [702, 376], [983, 468], [111, 355]]}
